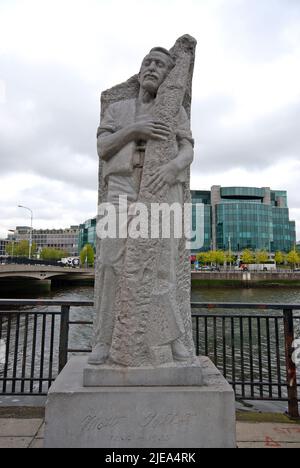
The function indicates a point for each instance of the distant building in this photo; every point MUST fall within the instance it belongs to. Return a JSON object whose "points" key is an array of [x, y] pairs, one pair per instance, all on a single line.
{"points": [[238, 218], [87, 234], [3, 244], [203, 197], [234, 218], [62, 239]]}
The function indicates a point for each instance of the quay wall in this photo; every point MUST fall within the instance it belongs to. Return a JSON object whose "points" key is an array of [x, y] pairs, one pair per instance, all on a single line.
{"points": [[245, 279]]}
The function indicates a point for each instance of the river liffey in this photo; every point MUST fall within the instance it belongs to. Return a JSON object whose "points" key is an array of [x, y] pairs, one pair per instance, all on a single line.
{"points": [[259, 295], [210, 341]]}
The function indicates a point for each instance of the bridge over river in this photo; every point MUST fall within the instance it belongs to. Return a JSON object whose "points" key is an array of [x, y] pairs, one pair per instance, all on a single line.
{"points": [[57, 273], [44, 273]]}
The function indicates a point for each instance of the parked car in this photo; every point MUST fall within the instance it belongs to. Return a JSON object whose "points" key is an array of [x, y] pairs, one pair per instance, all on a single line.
{"points": [[270, 266], [209, 268]]}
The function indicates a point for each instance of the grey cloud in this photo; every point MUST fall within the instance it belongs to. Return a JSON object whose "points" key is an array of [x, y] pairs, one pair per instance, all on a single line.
{"points": [[60, 121], [48, 196], [256, 27], [55, 137], [294, 194], [53, 204], [257, 145]]}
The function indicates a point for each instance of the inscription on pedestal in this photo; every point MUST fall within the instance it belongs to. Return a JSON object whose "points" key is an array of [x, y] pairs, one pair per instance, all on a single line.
{"points": [[149, 427], [145, 417]]}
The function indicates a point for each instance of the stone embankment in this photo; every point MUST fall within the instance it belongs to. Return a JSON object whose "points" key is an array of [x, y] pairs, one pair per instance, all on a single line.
{"points": [[248, 279]]}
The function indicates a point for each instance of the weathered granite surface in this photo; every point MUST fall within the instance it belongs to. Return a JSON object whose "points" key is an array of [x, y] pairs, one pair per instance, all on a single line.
{"points": [[142, 288], [170, 374], [138, 417], [144, 386]]}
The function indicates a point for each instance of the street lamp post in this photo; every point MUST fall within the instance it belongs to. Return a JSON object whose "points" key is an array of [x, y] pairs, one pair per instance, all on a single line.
{"points": [[230, 251], [30, 235]]}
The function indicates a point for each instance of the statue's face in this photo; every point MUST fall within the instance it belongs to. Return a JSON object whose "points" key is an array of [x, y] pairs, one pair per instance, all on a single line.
{"points": [[154, 70]]}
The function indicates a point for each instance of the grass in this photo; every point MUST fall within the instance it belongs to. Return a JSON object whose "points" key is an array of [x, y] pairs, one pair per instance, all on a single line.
{"points": [[245, 416]]}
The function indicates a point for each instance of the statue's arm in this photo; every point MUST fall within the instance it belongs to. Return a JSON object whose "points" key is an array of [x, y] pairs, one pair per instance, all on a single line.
{"points": [[109, 144], [185, 156], [111, 138], [171, 172], [185, 144]]}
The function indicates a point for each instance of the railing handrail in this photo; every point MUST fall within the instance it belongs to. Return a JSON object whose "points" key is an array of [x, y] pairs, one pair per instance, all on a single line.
{"points": [[45, 302], [194, 305], [243, 305], [63, 309]]}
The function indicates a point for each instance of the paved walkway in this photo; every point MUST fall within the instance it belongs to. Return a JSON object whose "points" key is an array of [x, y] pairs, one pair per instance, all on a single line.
{"points": [[21, 433], [29, 433], [268, 435]]}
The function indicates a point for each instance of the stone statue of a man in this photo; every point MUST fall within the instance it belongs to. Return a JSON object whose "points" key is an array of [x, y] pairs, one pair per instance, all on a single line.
{"points": [[124, 134]]}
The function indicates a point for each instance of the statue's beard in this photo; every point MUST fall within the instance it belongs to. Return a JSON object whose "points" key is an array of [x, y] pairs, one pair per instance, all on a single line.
{"points": [[150, 86]]}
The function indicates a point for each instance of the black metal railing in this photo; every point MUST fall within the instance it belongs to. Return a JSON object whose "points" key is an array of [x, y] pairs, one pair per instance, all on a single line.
{"points": [[34, 341], [251, 344]]}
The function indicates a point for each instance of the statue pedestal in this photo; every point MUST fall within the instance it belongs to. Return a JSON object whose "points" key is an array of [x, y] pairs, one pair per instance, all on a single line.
{"points": [[145, 416], [166, 375]]}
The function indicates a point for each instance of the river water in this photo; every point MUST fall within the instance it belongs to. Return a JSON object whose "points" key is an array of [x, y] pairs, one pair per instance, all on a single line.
{"points": [[86, 292], [81, 336]]}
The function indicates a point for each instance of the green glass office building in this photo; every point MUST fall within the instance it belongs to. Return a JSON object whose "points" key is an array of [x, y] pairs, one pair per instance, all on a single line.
{"points": [[204, 223], [238, 218], [87, 234]]}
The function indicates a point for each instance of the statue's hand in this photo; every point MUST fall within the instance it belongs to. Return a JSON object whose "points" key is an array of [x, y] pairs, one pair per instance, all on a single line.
{"points": [[165, 175], [146, 128]]}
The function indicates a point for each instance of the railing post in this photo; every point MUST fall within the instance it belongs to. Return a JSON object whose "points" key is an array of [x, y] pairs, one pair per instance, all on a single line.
{"points": [[64, 337], [291, 369]]}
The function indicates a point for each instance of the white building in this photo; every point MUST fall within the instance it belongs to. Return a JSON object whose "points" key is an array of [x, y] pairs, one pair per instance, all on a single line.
{"points": [[62, 239], [3, 244]]}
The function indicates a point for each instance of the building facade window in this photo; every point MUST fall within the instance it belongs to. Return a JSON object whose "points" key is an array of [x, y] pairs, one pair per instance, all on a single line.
{"points": [[62, 239], [239, 218]]}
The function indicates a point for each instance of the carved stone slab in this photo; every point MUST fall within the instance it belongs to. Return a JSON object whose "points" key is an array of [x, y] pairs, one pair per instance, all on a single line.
{"points": [[176, 374], [137, 417]]}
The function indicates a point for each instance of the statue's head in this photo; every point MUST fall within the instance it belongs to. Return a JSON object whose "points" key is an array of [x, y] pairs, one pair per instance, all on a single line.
{"points": [[155, 68]]}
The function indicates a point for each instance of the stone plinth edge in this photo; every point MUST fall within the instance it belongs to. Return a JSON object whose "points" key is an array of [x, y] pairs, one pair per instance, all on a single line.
{"points": [[142, 416], [181, 374]]}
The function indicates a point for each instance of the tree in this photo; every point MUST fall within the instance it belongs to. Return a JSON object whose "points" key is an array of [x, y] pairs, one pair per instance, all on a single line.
{"points": [[293, 258], [247, 256], [219, 257], [209, 257], [21, 249], [87, 256], [201, 257], [279, 258], [229, 258], [261, 257], [10, 249], [205, 257], [51, 254]]}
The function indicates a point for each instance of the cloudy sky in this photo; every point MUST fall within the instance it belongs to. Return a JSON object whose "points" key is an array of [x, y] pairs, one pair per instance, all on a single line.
{"points": [[56, 56]]}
